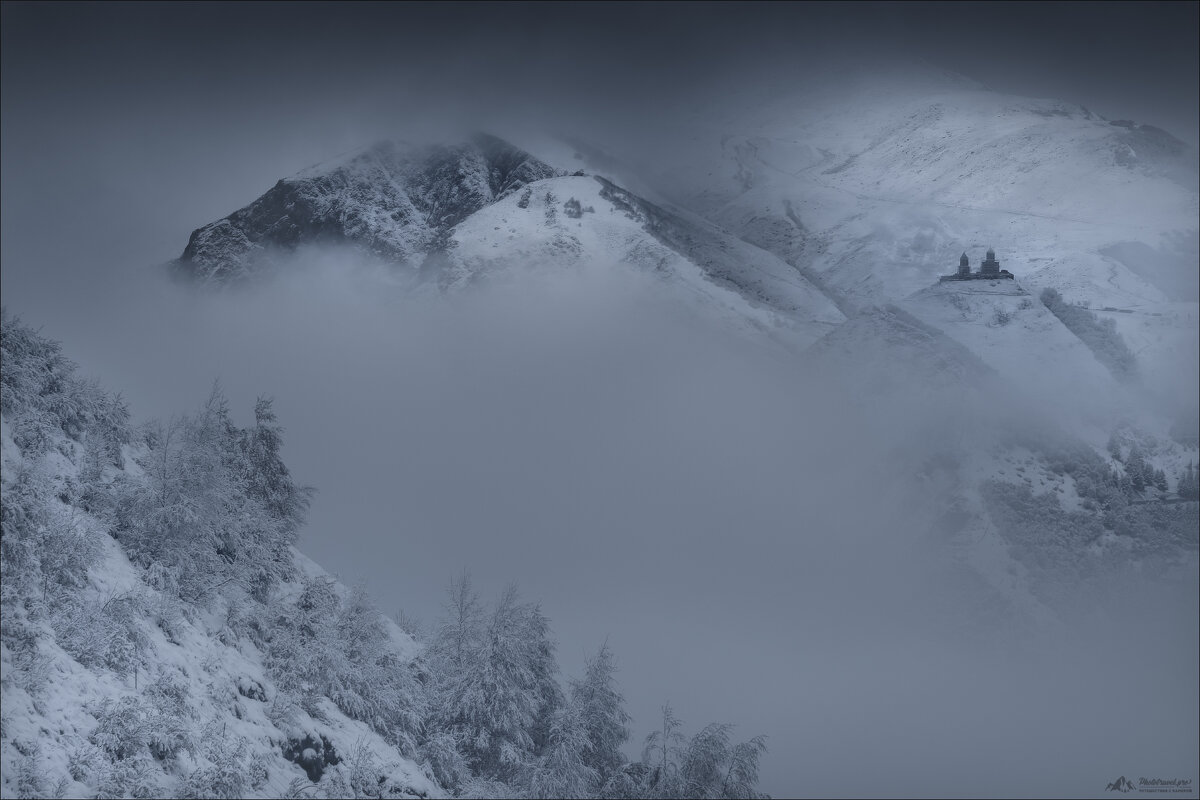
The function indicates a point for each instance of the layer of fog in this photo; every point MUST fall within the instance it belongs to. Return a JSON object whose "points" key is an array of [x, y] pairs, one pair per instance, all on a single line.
{"points": [[753, 542]]}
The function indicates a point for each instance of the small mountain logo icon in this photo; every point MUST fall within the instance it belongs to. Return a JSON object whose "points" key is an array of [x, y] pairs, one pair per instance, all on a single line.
{"points": [[1121, 784]]}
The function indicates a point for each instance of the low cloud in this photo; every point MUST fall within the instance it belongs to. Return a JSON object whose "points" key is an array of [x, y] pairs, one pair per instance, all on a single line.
{"points": [[756, 539]]}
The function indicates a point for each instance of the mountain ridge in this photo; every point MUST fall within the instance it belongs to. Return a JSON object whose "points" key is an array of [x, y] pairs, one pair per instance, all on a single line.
{"points": [[392, 202]]}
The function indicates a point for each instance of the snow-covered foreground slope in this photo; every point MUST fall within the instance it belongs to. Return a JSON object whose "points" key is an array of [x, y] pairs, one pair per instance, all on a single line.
{"points": [[161, 636], [124, 679], [192, 687], [201, 685]]}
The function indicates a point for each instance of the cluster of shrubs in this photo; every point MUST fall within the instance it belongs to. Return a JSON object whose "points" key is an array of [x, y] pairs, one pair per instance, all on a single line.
{"points": [[1067, 550], [1062, 547], [1105, 485], [1041, 533], [574, 209]]}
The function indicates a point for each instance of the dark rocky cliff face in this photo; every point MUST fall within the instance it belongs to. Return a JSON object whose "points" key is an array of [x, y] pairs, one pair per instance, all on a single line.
{"points": [[394, 203]]}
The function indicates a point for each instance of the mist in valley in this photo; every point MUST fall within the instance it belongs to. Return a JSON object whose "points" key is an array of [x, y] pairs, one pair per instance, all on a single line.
{"points": [[763, 534]]}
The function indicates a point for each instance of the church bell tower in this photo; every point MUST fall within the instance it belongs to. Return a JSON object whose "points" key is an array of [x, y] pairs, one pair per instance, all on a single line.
{"points": [[990, 265]]}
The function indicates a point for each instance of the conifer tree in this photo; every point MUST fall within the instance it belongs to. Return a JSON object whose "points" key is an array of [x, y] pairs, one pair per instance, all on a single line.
{"points": [[602, 710], [1187, 487], [496, 693], [268, 477], [1135, 468], [563, 769], [1114, 447]]}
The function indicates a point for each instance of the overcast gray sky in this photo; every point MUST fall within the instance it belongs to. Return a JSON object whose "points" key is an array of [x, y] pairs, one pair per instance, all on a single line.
{"points": [[646, 481], [148, 120]]}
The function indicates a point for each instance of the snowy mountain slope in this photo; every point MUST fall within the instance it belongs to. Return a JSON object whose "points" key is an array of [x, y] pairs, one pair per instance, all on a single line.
{"points": [[565, 221], [1029, 504], [871, 181], [881, 348], [161, 637], [1015, 334], [394, 202], [1036, 180], [826, 212], [234, 719], [1026, 520], [452, 216], [236, 672]]}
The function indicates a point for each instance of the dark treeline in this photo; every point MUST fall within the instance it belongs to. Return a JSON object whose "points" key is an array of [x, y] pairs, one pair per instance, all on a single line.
{"points": [[1100, 335]]}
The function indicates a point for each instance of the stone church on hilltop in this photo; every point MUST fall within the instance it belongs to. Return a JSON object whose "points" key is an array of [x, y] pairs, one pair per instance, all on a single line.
{"points": [[989, 270]]}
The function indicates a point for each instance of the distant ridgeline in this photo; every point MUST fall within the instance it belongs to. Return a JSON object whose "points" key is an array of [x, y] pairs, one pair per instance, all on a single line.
{"points": [[989, 270]]}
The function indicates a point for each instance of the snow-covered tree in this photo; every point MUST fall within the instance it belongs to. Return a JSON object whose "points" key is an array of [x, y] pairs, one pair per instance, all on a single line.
{"points": [[563, 769], [705, 766], [712, 767], [320, 645], [218, 507], [1114, 446], [741, 772], [661, 755], [460, 633], [268, 478], [40, 393], [375, 685], [456, 643], [1135, 467], [601, 709], [495, 689], [442, 759], [181, 518], [302, 642], [1188, 487]]}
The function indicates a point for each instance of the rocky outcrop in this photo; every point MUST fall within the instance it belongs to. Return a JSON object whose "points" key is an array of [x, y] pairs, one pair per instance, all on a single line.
{"points": [[393, 202]]}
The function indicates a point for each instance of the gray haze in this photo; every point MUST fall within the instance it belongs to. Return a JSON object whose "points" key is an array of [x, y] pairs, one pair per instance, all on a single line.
{"points": [[696, 502]]}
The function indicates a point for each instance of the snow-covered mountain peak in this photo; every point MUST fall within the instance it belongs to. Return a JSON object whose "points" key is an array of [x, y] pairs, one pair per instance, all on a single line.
{"points": [[393, 201], [581, 220], [454, 215]]}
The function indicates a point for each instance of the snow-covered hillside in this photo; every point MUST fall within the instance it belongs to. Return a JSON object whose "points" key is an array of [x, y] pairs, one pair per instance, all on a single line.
{"points": [[900, 168], [454, 216], [562, 222], [784, 209], [1015, 334], [872, 181], [162, 637], [115, 683]]}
